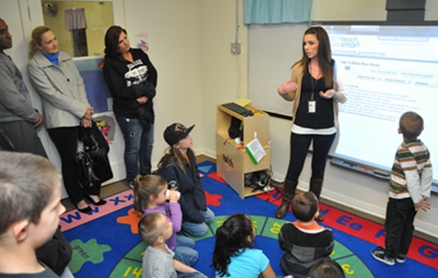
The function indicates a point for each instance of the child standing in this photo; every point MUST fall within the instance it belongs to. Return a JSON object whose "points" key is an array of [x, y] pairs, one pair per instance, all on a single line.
{"points": [[233, 254], [304, 241], [178, 166], [150, 196], [158, 260], [409, 188], [30, 206]]}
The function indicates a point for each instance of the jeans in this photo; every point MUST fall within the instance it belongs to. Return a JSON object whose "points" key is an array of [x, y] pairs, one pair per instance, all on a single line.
{"points": [[138, 147], [184, 250], [199, 229], [399, 225], [299, 145]]}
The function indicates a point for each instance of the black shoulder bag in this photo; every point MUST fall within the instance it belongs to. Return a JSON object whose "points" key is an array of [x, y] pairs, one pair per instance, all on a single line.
{"points": [[92, 163]]}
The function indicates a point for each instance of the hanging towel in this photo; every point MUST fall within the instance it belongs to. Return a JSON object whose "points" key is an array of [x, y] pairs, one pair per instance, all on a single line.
{"points": [[75, 19]]}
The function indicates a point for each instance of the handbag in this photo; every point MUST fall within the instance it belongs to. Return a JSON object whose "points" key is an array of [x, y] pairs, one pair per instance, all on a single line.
{"points": [[92, 163]]}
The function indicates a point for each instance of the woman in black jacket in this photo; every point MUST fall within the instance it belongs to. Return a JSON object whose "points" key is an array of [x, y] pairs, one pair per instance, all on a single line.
{"points": [[131, 79]]}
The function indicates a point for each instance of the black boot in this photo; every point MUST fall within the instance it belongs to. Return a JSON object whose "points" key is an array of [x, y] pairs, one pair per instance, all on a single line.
{"points": [[288, 194], [316, 188]]}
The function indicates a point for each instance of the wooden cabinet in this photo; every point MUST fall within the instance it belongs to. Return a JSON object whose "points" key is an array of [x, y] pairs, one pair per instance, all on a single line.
{"points": [[232, 160]]}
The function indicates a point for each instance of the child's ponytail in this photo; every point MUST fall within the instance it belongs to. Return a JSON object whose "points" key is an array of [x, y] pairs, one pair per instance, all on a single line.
{"points": [[144, 187], [232, 238], [222, 251], [139, 202]]}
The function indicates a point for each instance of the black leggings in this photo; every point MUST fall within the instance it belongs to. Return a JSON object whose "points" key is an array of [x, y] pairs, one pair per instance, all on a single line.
{"points": [[66, 142], [299, 146]]}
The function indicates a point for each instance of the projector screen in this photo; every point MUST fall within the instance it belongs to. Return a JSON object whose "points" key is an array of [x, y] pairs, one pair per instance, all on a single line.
{"points": [[390, 68]]}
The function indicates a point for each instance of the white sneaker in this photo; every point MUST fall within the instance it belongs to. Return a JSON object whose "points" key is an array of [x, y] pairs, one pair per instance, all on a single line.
{"points": [[379, 254]]}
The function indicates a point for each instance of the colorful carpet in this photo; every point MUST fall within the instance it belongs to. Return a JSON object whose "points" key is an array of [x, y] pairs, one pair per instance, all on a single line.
{"points": [[106, 242]]}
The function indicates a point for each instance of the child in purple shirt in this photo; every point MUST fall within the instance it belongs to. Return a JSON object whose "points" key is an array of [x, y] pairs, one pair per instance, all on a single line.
{"points": [[150, 194]]}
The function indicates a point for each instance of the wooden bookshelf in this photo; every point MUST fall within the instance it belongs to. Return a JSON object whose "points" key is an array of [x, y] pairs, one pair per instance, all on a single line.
{"points": [[232, 160]]}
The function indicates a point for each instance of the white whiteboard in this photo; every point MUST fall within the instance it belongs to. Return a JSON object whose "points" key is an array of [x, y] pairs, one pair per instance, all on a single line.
{"points": [[273, 49]]}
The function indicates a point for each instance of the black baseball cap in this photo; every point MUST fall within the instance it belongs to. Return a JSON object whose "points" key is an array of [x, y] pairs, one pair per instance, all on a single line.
{"points": [[176, 132]]}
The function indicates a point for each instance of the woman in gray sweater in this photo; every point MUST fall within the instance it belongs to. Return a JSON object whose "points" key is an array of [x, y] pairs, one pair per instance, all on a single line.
{"points": [[56, 79]]}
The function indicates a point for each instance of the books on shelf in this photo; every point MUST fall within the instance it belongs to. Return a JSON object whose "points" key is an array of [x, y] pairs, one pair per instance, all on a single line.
{"points": [[255, 151]]}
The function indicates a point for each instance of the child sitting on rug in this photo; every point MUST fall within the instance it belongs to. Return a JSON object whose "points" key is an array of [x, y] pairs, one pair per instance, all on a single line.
{"points": [[158, 260], [304, 241], [409, 188], [233, 253], [30, 187], [150, 196], [178, 166], [326, 268]]}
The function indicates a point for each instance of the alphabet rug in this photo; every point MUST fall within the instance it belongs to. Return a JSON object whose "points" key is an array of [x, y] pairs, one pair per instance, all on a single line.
{"points": [[106, 242]]}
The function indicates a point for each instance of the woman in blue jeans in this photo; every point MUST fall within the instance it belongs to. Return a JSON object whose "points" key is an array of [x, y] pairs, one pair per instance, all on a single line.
{"points": [[131, 79]]}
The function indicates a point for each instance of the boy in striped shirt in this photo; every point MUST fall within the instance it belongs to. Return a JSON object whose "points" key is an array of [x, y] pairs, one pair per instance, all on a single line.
{"points": [[409, 188]]}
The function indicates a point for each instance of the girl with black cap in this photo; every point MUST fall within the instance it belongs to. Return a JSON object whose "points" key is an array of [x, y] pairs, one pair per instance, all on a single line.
{"points": [[178, 166]]}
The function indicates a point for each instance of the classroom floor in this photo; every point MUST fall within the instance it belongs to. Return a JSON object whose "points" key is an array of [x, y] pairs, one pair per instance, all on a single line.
{"points": [[120, 186]]}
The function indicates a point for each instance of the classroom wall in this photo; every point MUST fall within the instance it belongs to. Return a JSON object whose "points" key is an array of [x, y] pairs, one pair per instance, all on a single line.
{"points": [[189, 43], [224, 75], [172, 29]]}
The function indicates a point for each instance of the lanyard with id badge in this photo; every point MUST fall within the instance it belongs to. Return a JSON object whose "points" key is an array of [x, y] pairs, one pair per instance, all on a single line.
{"points": [[312, 101]]}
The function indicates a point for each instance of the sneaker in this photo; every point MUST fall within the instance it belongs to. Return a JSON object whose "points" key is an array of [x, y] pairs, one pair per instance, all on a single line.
{"points": [[131, 184], [401, 258], [379, 254]]}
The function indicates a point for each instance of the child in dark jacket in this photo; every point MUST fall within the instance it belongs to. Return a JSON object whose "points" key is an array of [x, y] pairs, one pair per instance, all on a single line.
{"points": [[304, 241], [178, 166]]}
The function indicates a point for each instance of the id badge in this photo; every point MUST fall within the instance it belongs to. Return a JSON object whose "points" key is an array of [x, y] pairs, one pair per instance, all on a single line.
{"points": [[312, 106]]}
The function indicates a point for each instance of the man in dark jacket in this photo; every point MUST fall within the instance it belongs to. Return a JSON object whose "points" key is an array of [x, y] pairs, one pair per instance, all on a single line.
{"points": [[18, 123], [18, 119]]}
